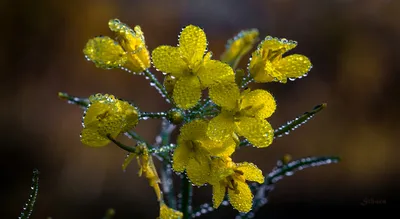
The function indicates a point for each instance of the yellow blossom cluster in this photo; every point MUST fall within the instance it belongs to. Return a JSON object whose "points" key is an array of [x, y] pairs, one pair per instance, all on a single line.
{"points": [[206, 142]]}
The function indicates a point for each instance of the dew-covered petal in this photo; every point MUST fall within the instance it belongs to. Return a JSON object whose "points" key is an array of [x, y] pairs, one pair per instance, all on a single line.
{"points": [[130, 115], [192, 44], [225, 95], [259, 103], [294, 66], [198, 168], [169, 213], [240, 45], [105, 53], [167, 59], [91, 137], [187, 92], [214, 72], [194, 130], [275, 44], [257, 131], [251, 172], [218, 194], [181, 156], [241, 199], [221, 126], [229, 146]]}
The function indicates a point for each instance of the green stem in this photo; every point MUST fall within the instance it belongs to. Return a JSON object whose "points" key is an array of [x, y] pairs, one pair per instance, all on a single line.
{"points": [[167, 175], [187, 190], [135, 136], [83, 102], [152, 115], [28, 207], [246, 80], [122, 146], [298, 121], [163, 149], [160, 88]]}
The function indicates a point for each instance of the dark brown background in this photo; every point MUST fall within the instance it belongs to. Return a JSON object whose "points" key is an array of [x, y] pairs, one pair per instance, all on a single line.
{"points": [[353, 45]]}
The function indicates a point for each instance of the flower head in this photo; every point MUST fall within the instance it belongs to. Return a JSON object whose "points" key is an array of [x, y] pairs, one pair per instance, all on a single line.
{"points": [[229, 176], [195, 149], [106, 117], [169, 213], [128, 51], [239, 46], [267, 63], [242, 113], [192, 69]]}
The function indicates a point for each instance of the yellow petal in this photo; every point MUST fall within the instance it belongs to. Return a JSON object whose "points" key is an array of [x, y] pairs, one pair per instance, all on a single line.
{"points": [[91, 137], [181, 157], [168, 59], [294, 66], [194, 130], [220, 169], [257, 68], [99, 121], [257, 131], [274, 44], [242, 198], [215, 72], [239, 46], [192, 44], [198, 168], [251, 172], [218, 194], [259, 103], [221, 126], [225, 95], [187, 92], [130, 115], [229, 147], [169, 213], [105, 53]]}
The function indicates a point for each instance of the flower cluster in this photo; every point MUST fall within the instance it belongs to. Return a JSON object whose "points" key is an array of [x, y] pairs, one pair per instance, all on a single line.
{"points": [[212, 127]]}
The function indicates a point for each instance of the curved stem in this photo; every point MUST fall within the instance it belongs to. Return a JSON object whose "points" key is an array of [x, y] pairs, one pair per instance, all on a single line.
{"points": [[187, 191], [152, 115], [160, 88]]}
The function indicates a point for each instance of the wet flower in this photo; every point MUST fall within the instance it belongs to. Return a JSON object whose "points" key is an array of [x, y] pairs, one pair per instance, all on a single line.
{"points": [[192, 70], [242, 113], [128, 51], [267, 63], [169, 213], [239, 46], [195, 149], [106, 117], [231, 177]]}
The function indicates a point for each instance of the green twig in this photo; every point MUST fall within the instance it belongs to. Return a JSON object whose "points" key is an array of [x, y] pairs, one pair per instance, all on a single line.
{"points": [[134, 135], [152, 115], [28, 207], [82, 102], [298, 121], [160, 88], [186, 198]]}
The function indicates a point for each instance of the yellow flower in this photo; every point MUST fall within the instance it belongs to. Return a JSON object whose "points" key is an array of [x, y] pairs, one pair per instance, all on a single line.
{"points": [[169, 213], [243, 113], [193, 70], [267, 63], [227, 175], [239, 46], [194, 150], [128, 51], [106, 116]]}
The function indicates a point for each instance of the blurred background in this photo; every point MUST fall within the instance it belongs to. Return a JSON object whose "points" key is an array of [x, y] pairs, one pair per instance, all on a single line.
{"points": [[353, 45]]}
